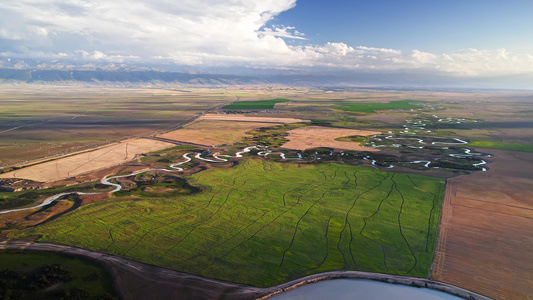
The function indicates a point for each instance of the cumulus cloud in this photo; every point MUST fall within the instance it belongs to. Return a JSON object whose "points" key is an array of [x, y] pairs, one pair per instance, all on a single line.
{"points": [[282, 31], [210, 33], [147, 28]]}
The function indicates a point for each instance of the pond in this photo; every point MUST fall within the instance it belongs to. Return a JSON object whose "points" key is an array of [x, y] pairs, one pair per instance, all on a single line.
{"points": [[356, 289]]}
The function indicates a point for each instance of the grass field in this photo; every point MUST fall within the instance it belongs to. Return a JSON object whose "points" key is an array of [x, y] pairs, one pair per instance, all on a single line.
{"points": [[373, 107], [263, 223], [502, 146], [261, 104], [26, 275]]}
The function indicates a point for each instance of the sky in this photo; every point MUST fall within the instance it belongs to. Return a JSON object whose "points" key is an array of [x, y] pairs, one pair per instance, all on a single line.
{"points": [[457, 38]]}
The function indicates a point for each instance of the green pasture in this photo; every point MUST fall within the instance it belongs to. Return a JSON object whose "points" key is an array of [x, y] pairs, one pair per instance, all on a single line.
{"points": [[263, 223], [373, 107], [30, 275], [261, 104], [502, 146]]}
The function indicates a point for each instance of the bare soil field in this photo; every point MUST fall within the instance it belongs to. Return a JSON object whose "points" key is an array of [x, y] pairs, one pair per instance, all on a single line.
{"points": [[485, 240], [217, 129], [78, 164], [316, 136]]}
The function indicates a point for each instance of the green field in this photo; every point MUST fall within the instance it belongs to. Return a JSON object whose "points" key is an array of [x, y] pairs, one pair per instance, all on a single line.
{"points": [[373, 107], [502, 146], [41, 275], [263, 223], [261, 104]]}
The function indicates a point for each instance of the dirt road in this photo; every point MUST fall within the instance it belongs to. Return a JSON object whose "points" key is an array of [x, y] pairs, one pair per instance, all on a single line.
{"points": [[135, 280]]}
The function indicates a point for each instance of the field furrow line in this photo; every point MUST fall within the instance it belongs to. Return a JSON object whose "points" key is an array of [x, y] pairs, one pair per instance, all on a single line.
{"points": [[296, 228], [300, 219], [202, 221], [365, 223], [159, 227], [212, 197], [327, 246], [283, 198], [112, 240], [346, 222], [138, 241], [400, 226], [226, 240], [347, 177], [284, 194], [350, 244], [257, 231], [430, 211]]}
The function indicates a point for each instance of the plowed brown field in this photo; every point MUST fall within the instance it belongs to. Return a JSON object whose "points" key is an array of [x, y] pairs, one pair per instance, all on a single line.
{"points": [[486, 238], [217, 129], [316, 136]]}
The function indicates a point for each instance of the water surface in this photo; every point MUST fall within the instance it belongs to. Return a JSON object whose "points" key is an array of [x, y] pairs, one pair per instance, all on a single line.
{"points": [[359, 289]]}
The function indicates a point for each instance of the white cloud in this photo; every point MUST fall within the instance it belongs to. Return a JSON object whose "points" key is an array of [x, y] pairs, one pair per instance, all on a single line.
{"points": [[210, 33], [282, 31]]}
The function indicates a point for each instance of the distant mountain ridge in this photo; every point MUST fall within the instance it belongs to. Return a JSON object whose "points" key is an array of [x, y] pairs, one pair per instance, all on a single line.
{"points": [[123, 76]]}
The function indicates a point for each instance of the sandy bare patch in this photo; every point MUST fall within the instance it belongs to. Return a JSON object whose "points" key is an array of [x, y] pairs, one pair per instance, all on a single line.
{"points": [[316, 136], [74, 165], [243, 118], [214, 132], [485, 238]]}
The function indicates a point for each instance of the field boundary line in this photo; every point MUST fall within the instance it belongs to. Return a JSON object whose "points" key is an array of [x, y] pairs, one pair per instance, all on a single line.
{"points": [[438, 259]]}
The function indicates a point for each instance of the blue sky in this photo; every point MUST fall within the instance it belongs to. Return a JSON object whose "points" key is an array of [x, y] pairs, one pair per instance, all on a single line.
{"points": [[426, 25], [454, 38]]}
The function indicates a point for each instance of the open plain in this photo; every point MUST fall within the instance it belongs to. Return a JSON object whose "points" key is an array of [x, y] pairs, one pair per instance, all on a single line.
{"points": [[309, 212]]}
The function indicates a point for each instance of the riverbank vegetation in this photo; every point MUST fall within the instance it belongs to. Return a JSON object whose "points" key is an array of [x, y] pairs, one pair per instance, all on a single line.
{"points": [[42, 275]]}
